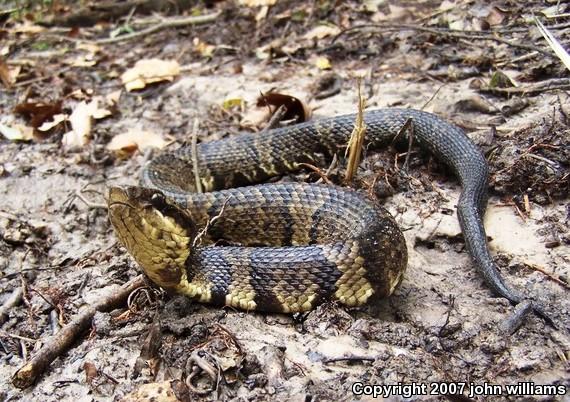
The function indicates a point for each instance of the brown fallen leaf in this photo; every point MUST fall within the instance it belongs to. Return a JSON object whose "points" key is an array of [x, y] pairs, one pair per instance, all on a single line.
{"points": [[296, 109], [321, 32], [257, 116], [149, 71], [38, 112], [8, 75], [127, 143], [91, 372]]}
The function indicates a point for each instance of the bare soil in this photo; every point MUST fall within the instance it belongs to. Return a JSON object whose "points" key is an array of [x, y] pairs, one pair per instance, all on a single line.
{"points": [[442, 325]]}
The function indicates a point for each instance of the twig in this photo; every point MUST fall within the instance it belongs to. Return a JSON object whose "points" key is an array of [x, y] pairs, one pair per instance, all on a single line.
{"points": [[433, 96], [322, 175], [210, 222], [195, 166], [547, 274], [275, 118], [349, 359], [170, 23], [22, 338], [440, 333], [90, 204], [408, 125], [59, 343]]}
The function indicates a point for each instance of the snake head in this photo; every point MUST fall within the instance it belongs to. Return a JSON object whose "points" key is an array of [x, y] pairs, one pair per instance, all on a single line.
{"points": [[155, 231]]}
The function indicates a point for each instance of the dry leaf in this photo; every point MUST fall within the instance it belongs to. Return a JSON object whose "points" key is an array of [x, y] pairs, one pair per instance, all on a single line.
{"points": [[17, 132], [91, 372], [371, 6], [267, 104], [232, 102], [56, 120], [495, 17], [87, 60], [322, 31], [149, 71], [262, 14], [112, 99], [5, 75], [8, 75], [135, 139], [38, 112], [257, 3], [323, 63], [90, 47], [27, 27], [203, 48], [81, 120], [296, 108], [256, 117]]}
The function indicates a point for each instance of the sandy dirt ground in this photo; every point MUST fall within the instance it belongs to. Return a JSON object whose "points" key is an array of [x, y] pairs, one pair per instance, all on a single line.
{"points": [[58, 254]]}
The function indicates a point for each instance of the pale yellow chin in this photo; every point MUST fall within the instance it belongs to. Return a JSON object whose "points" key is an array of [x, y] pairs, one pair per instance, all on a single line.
{"points": [[157, 243]]}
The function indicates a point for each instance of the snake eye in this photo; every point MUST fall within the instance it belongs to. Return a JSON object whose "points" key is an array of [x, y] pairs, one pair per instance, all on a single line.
{"points": [[158, 201]]}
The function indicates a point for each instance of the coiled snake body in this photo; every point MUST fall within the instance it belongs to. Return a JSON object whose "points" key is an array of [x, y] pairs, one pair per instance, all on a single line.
{"points": [[289, 246]]}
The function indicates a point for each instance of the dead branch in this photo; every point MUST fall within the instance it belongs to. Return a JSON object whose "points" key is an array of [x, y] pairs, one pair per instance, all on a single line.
{"points": [[168, 23], [59, 343]]}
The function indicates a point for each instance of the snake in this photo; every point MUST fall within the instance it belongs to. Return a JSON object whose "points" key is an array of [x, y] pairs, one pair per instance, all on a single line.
{"points": [[287, 247]]}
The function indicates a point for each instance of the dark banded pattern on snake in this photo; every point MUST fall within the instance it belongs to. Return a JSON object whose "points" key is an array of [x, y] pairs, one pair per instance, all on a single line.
{"points": [[299, 226]]}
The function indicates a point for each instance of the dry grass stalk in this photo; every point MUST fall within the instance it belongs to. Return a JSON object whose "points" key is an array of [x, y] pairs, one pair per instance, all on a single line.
{"points": [[195, 128], [354, 147]]}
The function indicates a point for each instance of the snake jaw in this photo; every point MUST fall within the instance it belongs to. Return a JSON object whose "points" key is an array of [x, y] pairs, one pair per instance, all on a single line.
{"points": [[154, 231]]}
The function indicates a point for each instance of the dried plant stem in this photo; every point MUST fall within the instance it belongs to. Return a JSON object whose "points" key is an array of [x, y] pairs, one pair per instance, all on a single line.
{"points": [[195, 167], [354, 147]]}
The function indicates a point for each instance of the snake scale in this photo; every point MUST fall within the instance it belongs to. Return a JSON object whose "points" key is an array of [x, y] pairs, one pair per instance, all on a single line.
{"points": [[288, 247]]}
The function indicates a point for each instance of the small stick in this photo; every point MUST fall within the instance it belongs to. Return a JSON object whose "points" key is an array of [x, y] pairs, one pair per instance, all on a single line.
{"points": [[195, 167], [349, 359], [547, 274], [59, 343], [322, 175], [275, 118]]}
